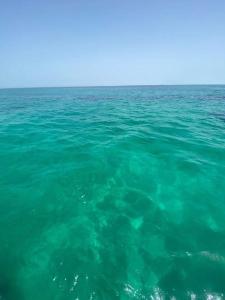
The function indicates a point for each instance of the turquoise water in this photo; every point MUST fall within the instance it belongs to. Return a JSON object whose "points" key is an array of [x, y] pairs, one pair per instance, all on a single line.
{"points": [[112, 193]]}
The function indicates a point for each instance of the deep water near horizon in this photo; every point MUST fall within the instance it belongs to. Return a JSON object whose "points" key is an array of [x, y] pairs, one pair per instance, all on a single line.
{"points": [[112, 193]]}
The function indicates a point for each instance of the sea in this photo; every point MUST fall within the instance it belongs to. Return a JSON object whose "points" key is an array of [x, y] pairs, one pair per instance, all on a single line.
{"points": [[112, 193]]}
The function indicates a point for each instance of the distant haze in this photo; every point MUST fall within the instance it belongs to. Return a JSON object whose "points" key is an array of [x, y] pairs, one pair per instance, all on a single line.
{"points": [[111, 42]]}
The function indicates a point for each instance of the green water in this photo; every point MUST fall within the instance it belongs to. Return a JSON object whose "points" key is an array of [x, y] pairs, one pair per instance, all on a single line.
{"points": [[112, 193]]}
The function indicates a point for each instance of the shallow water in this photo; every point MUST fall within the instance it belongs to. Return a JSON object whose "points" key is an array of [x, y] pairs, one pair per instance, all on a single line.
{"points": [[112, 193]]}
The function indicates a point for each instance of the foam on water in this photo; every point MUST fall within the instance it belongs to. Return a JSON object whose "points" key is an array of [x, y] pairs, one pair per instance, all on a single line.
{"points": [[112, 193]]}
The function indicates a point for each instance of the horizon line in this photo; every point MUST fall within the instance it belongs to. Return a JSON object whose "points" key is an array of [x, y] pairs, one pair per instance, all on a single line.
{"points": [[116, 85]]}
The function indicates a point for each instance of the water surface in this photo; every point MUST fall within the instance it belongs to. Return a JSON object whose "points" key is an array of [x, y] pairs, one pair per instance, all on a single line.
{"points": [[112, 193]]}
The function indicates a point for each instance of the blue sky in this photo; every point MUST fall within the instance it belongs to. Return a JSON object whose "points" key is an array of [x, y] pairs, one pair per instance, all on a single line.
{"points": [[111, 42]]}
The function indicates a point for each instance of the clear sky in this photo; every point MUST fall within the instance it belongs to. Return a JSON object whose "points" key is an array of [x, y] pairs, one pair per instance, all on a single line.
{"points": [[111, 42]]}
